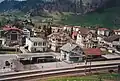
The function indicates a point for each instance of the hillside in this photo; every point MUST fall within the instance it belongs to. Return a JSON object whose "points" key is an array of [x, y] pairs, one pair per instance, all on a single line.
{"points": [[8, 5], [72, 12], [107, 15], [108, 18], [35, 7]]}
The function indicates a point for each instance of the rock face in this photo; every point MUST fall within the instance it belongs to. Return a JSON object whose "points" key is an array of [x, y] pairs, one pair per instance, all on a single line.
{"points": [[77, 6]]}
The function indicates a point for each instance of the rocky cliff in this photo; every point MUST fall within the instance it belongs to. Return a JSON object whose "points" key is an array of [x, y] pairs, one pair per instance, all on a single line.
{"points": [[36, 7]]}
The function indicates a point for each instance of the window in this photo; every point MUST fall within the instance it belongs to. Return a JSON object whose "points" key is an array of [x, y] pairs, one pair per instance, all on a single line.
{"points": [[14, 32], [35, 43], [53, 39], [59, 40], [14, 37], [44, 43], [8, 37], [40, 43]]}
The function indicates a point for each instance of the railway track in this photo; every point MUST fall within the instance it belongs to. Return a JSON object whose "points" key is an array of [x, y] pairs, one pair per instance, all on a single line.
{"points": [[55, 72]]}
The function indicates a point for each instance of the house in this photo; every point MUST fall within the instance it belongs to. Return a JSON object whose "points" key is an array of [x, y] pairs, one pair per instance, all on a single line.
{"points": [[92, 52], [103, 31], [57, 40], [13, 36], [38, 32], [2, 41], [86, 39], [100, 39], [2, 38], [113, 41], [76, 28], [36, 44], [117, 32], [26, 33], [71, 53], [1, 33], [68, 29], [56, 29]]}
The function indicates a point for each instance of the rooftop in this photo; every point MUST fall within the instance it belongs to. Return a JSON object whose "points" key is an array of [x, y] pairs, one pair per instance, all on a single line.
{"points": [[36, 39], [112, 38], [11, 28], [111, 56], [103, 29], [84, 31], [117, 30], [93, 51], [68, 47], [59, 35]]}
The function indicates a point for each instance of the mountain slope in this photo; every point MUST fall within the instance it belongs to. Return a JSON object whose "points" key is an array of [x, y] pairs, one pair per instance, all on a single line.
{"points": [[7, 5], [94, 12]]}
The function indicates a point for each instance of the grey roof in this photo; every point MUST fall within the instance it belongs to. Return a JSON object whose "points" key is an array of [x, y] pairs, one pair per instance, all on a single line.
{"points": [[112, 38], [36, 39], [68, 47]]}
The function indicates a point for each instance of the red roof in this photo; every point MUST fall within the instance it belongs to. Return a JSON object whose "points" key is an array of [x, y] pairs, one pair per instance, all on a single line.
{"points": [[102, 29], [93, 51], [11, 28]]}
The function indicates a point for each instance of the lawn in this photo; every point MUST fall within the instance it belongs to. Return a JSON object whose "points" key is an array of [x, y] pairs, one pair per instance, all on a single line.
{"points": [[101, 77]]}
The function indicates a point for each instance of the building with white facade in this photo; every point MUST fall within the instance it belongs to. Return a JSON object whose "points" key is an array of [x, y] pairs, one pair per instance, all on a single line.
{"points": [[36, 44], [117, 32], [2, 41], [26, 32], [103, 31]]}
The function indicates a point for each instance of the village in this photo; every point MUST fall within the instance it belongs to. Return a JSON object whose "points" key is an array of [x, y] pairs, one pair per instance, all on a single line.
{"points": [[55, 45]]}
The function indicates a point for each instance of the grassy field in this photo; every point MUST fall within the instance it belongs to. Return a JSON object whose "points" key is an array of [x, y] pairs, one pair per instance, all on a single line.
{"points": [[101, 77]]}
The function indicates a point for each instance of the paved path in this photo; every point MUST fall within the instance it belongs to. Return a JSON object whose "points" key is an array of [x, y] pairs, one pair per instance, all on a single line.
{"points": [[51, 65], [45, 66]]}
